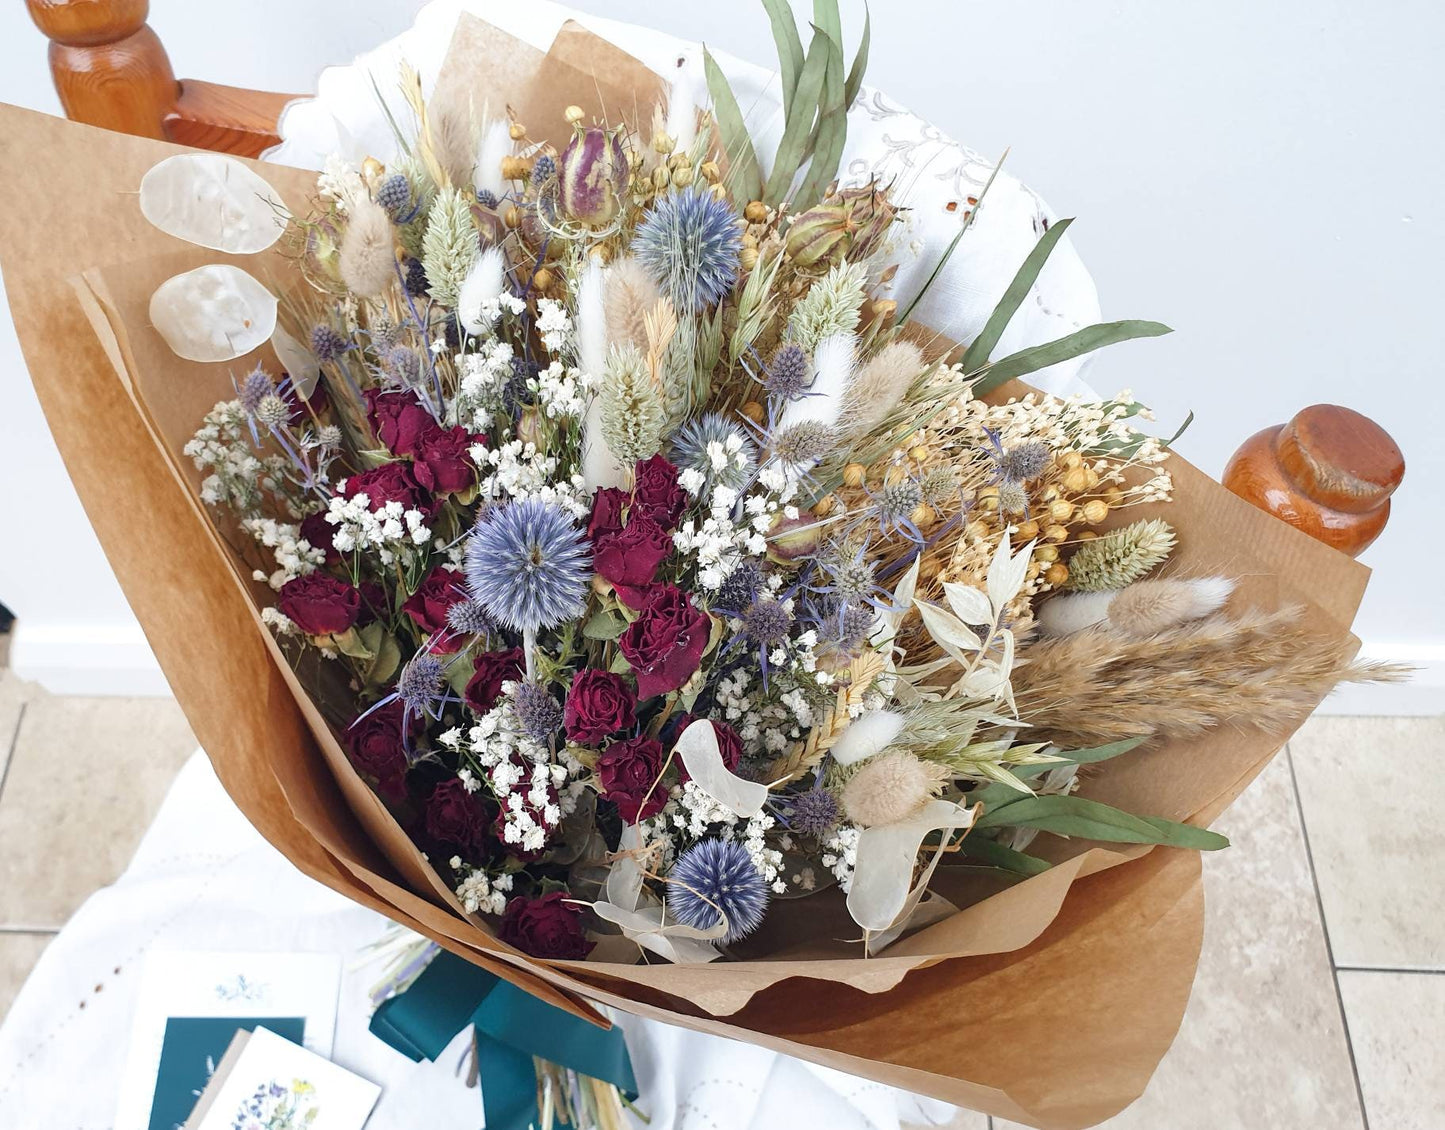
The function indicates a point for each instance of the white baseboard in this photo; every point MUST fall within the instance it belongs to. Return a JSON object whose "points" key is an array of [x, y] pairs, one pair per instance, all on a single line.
{"points": [[1424, 693], [86, 659]]}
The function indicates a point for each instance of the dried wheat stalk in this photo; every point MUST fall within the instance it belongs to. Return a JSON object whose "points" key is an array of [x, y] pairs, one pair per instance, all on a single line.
{"points": [[802, 756]]}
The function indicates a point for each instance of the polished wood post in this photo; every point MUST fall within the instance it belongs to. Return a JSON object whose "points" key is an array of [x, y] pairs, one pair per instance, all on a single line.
{"points": [[1329, 472], [109, 67]]}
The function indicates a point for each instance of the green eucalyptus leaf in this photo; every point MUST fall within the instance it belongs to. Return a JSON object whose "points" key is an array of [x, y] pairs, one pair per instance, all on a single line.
{"points": [[1089, 819], [790, 48], [832, 131], [387, 659], [1099, 752], [860, 62], [744, 180], [604, 625], [997, 855], [806, 98], [1076, 344], [1023, 281], [355, 643]]}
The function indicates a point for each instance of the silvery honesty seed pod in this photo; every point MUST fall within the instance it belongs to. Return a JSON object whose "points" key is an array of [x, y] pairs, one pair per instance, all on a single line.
{"points": [[591, 175], [846, 224]]}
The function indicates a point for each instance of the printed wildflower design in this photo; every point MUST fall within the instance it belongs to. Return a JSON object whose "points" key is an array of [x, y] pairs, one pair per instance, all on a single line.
{"points": [[278, 1106], [241, 988]]}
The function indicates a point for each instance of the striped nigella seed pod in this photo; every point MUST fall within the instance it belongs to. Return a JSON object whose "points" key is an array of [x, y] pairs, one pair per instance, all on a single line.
{"points": [[591, 174]]}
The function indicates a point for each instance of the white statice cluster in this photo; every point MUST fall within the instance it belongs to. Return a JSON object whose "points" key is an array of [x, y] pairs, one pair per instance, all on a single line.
{"points": [[392, 532], [222, 446], [562, 392], [553, 324], [295, 556], [340, 182], [534, 792], [481, 892], [840, 854], [517, 470]]}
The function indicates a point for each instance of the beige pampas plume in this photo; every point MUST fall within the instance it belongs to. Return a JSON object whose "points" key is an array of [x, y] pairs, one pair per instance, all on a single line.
{"points": [[368, 257], [1155, 606], [452, 135], [879, 386], [628, 298], [1258, 669]]}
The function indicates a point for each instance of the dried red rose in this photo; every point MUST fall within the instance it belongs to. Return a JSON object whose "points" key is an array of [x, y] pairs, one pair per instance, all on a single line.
{"points": [[493, 668], [664, 645], [319, 604], [656, 493], [398, 419], [598, 705], [443, 460], [461, 821], [375, 742], [548, 927], [630, 557], [628, 772]]}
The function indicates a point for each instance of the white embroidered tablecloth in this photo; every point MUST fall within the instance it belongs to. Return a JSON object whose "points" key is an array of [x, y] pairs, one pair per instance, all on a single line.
{"points": [[203, 879]]}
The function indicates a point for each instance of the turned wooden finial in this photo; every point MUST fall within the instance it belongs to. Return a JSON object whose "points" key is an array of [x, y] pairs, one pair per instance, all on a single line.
{"points": [[109, 68], [1329, 472]]}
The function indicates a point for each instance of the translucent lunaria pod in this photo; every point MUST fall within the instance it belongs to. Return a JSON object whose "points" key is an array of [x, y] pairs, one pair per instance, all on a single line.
{"points": [[214, 313], [214, 201], [298, 361]]}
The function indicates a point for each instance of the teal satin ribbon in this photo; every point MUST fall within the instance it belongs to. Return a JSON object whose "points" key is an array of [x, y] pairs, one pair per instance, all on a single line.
{"points": [[511, 1026]]}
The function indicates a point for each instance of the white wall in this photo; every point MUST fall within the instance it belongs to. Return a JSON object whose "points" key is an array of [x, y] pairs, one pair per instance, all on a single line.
{"points": [[1268, 179]]}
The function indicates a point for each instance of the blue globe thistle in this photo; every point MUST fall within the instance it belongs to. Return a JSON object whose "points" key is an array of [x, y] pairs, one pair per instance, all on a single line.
{"points": [[705, 441], [539, 713], [718, 875], [789, 373], [893, 507], [404, 366], [1024, 461], [528, 565], [855, 625], [1013, 497], [689, 243], [543, 169], [813, 812], [255, 387], [739, 587], [804, 443], [416, 280], [327, 343], [394, 195], [487, 198]]}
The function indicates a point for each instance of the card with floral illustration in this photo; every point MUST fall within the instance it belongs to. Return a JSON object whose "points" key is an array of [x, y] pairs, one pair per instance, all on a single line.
{"points": [[266, 1082], [191, 1004]]}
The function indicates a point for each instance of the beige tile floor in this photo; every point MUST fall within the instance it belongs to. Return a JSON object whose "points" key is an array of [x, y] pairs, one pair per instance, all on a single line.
{"points": [[1320, 1000]]}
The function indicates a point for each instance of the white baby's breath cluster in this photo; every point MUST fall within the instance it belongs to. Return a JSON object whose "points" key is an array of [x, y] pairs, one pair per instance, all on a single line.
{"points": [[480, 891], [517, 470], [340, 182], [562, 393], [392, 532], [840, 854], [278, 621], [295, 556], [535, 793], [221, 446], [554, 325]]}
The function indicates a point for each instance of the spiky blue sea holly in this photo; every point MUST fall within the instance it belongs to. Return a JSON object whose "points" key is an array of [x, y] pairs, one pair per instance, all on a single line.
{"points": [[690, 243], [528, 565], [713, 876]]}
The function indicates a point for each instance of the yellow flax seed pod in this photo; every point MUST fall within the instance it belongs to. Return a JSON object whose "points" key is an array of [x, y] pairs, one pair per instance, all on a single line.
{"points": [[756, 212], [976, 530], [1095, 511], [1076, 480], [543, 279], [517, 131], [662, 144], [1027, 531], [573, 114], [710, 172], [929, 568], [1057, 573], [754, 412], [1033, 570], [824, 506], [855, 475], [923, 516], [1056, 534], [1046, 553], [1092, 476], [682, 176], [661, 178], [748, 258], [1071, 459], [511, 217], [1061, 510], [919, 453]]}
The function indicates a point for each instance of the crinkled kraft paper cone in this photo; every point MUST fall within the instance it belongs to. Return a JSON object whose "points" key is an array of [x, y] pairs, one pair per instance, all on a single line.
{"points": [[1050, 1002]]}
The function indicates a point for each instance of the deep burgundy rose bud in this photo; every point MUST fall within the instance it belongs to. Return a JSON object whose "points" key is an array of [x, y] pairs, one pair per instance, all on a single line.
{"points": [[607, 507], [493, 668], [591, 174], [598, 705], [319, 604], [628, 773], [630, 557], [656, 492], [391, 482], [398, 419], [378, 750], [461, 821], [729, 744], [428, 606], [664, 645], [443, 460], [547, 927], [318, 533]]}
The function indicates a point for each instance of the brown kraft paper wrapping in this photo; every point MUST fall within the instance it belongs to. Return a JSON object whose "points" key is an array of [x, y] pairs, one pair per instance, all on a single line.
{"points": [[1049, 1003]]}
